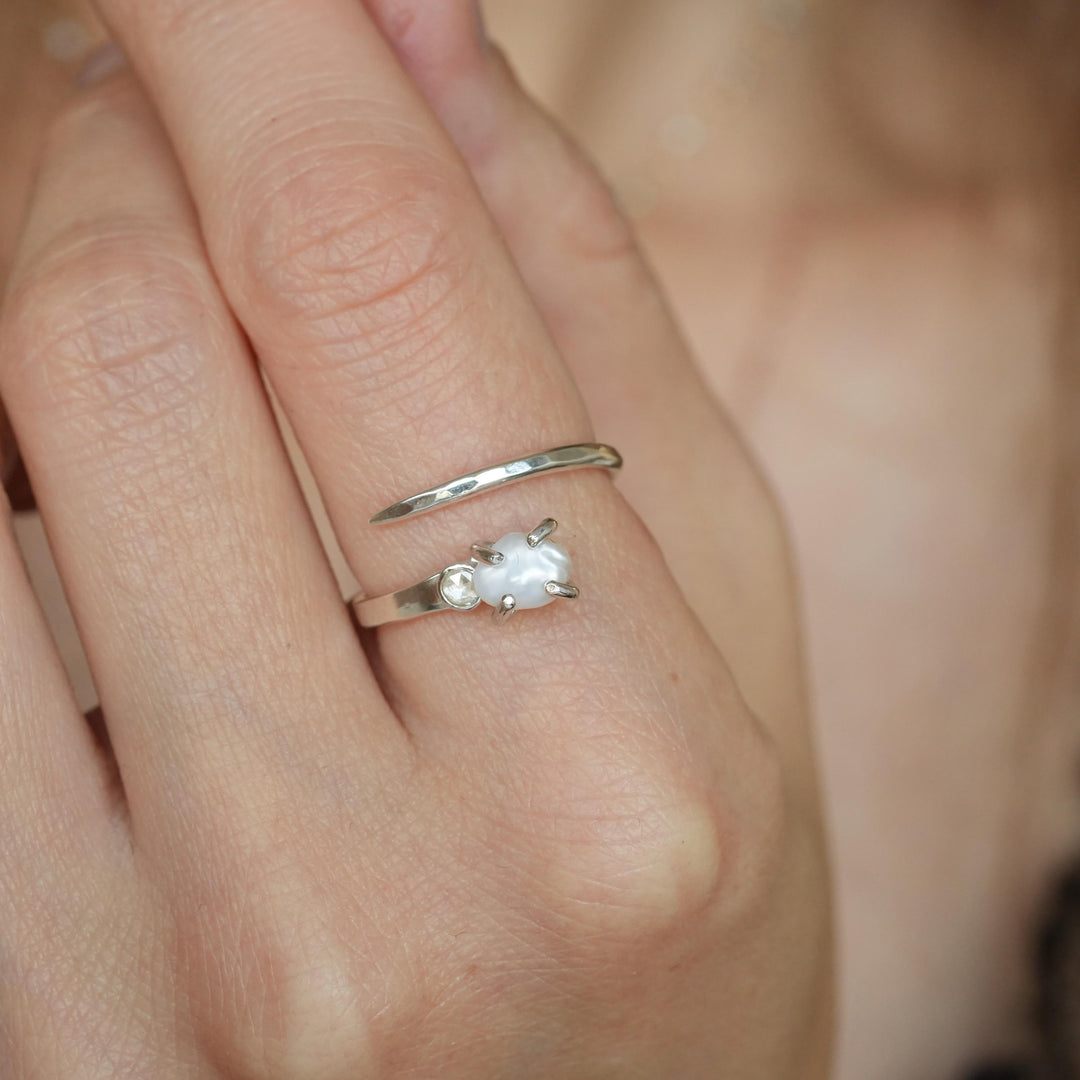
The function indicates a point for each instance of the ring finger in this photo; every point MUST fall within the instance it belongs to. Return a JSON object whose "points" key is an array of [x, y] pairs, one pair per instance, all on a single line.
{"points": [[358, 255]]}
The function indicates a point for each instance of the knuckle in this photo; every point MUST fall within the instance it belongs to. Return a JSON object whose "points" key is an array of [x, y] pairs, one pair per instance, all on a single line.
{"points": [[652, 864], [273, 989], [590, 223], [364, 256], [643, 842], [107, 318], [633, 849]]}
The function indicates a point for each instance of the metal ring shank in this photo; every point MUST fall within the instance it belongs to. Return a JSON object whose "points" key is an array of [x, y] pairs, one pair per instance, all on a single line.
{"points": [[580, 456], [420, 599]]}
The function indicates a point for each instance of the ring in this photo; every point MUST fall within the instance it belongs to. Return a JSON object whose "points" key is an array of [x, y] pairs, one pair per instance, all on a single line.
{"points": [[517, 572], [579, 456]]}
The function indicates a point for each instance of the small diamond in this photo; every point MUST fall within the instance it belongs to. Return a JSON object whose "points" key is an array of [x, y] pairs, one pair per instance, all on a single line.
{"points": [[456, 587]]}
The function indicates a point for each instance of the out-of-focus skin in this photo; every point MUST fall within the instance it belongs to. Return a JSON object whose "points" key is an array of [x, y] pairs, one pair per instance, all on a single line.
{"points": [[866, 256], [37, 69], [584, 842], [872, 255]]}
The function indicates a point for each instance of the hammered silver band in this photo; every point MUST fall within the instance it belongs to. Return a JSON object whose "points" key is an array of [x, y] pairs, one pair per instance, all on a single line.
{"points": [[578, 456]]}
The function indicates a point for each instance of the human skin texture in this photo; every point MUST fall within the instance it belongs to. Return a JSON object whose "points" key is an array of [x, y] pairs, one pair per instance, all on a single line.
{"points": [[870, 256], [874, 255], [582, 843]]}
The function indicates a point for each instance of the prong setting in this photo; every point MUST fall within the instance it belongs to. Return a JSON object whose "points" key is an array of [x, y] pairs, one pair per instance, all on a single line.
{"points": [[541, 532], [525, 575], [563, 589], [486, 553]]}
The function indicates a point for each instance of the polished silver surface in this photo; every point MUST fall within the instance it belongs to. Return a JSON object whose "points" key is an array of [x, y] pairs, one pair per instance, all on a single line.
{"points": [[423, 598], [507, 607], [542, 532], [486, 553], [563, 589], [579, 456]]}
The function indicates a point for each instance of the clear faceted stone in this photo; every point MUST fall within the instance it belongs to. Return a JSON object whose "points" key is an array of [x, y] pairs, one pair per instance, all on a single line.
{"points": [[456, 587]]}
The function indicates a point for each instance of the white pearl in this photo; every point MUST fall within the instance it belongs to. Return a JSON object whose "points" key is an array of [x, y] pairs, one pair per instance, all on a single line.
{"points": [[523, 572]]}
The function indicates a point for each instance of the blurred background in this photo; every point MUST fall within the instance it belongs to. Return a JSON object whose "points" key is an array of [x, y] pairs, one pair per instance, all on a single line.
{"points": [[866, 216]]}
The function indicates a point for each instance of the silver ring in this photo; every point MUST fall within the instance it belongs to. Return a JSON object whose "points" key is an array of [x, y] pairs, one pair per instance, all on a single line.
{"points": [[514, 573], [580, 456]]}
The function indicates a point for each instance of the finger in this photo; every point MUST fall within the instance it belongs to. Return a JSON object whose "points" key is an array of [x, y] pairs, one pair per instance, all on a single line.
{"points": [[212, 624], [67, 885], [55, 784], [685, 464], [348, 235], [356, 252]]}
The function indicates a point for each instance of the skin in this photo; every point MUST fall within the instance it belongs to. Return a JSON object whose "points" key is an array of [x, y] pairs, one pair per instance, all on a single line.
{"points": [[307, 853], [923, 241], [874, 255]]}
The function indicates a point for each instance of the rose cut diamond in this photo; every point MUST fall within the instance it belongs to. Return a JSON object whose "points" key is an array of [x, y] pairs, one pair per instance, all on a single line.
{"points": [[456, 587]]}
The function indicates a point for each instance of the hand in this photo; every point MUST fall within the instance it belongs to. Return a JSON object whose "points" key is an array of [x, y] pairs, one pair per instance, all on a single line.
{"points": [[571, 845]]}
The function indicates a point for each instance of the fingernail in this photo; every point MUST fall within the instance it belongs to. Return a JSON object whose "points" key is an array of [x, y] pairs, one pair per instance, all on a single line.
{"points": [[101, 63]]}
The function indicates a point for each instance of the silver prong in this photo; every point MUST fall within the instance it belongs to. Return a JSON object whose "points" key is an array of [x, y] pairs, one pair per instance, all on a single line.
{"points": [[542, 532], [563, 589], [486, 553], [507, 607]]}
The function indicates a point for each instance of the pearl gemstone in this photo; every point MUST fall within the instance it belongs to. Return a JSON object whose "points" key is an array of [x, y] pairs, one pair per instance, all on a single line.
{"points": [[523, 572]]}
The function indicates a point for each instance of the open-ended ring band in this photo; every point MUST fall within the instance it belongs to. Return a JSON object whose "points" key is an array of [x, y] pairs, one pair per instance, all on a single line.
{"points": [[518, 571], [580, 456]]}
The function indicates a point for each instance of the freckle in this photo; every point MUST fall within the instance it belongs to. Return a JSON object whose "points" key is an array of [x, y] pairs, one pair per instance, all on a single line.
{"points": [[674, 676]]}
